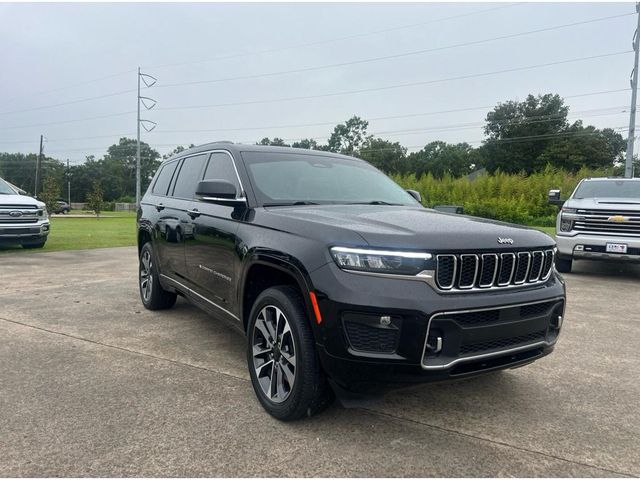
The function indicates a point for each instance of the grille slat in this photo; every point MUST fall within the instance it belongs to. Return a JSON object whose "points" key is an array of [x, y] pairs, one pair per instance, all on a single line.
{"points": [[597, 221], [466, 271]]}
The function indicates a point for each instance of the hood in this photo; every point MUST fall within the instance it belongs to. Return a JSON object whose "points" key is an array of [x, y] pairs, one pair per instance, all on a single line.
{"points": [[626, 204], [19, 200], [402, 227]]}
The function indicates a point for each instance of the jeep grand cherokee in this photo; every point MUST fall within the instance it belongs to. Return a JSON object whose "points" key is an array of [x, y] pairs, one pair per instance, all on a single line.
{"points": [[341, 280]]}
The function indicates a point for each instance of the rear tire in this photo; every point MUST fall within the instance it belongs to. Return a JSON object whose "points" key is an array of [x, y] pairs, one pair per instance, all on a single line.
{"points": [[153, 296], [564, 265], [283, 364], [32, 245]]}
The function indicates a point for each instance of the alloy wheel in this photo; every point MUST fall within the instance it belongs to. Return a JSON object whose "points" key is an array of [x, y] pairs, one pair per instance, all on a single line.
{"points": [[274, 354], [146, 279]]}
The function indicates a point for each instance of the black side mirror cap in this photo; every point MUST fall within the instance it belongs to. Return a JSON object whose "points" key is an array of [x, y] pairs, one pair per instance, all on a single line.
{"points": [[415, 194], [220, 191], [554, 198]]}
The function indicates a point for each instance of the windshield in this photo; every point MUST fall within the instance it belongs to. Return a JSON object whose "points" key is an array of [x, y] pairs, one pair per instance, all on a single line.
{"points": [[5, 189], [608, 189], [294, 178]]}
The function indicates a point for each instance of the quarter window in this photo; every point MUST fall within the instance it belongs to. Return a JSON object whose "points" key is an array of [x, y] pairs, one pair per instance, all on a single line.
{"points": [[164, 179], [189, 176]]}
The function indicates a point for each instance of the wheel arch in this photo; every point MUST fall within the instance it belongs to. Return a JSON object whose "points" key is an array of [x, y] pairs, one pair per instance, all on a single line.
{"points": [[144, 236], [263, 270]]}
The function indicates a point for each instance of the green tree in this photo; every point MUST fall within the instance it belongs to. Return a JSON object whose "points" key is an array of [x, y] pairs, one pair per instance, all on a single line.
{"points": [[176, 151], [95, 200], [276, 142], [584, 147], [308, 143], [119, 167], [390, 157], [510, 126], [441, 158], [50, 193], [349, 137]]}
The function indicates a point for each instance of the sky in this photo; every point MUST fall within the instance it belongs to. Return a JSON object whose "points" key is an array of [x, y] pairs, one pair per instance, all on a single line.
{"points": [[229, 59]]}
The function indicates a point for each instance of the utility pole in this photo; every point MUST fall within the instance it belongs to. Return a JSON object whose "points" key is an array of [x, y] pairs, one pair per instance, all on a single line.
{"points": [[628, 170], [68, 184], [138, 148], [142, 77], [38, 165]]}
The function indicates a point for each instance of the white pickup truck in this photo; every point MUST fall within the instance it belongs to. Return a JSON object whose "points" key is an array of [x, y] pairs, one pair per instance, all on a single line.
{"points": [[599, 221], [23, 220]]}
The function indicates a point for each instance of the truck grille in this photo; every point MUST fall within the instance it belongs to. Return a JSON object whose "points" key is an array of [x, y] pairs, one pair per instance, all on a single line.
{"points": [[464, 272], [18, 214], [598, 222]]}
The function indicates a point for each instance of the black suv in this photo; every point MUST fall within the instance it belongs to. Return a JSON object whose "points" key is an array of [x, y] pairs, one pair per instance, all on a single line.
{"points": [[341, 280]]}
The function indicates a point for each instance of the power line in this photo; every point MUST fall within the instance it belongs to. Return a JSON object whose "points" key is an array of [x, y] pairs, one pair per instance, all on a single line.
{"points": [[334, 65], [333, 40], [87, 82], [394, 56], [71, 102], [528, 120], [437, 112], [395, 132], [401, 85], [61, 122]]}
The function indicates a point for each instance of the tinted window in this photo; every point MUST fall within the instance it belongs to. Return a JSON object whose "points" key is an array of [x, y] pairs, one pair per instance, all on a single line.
{"points": [[220, 167], [164, 179], [288, 178], [189, 176], [608, 189]]}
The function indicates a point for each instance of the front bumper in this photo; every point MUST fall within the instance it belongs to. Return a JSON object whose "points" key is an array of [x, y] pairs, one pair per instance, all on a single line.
{"points": [[593, 247], [23, 233], [383, 332]]}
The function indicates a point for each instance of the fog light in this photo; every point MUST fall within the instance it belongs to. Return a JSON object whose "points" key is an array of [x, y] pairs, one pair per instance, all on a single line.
{"points": [[579, 248], [385, 320]]}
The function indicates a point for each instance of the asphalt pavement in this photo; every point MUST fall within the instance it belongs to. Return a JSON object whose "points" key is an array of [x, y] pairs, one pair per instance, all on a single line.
{"points": [[92, 384]]}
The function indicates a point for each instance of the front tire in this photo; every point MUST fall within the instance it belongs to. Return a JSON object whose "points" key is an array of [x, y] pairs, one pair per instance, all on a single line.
{"points": [[153, 296], [284, 367], [564, 265]]}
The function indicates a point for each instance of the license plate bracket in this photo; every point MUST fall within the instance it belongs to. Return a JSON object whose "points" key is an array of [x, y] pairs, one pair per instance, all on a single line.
{"points": [[616, 248]]}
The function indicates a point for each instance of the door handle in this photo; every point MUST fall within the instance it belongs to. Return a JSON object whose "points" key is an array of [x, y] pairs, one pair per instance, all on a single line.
{"points": [[193, 213], [160, 207]]}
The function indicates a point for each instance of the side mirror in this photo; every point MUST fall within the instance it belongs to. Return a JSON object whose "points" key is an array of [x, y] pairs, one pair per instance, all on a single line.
{"points": [[218, 191], [415, 194], [554, 198]]}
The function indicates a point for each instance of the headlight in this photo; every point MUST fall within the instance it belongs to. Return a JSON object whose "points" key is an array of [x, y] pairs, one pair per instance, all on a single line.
{"points": [[566, 219], [381, 261], [43, 213]]}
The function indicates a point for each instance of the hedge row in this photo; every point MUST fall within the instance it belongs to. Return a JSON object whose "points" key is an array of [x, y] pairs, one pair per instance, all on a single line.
{"points": [[511, 198]]}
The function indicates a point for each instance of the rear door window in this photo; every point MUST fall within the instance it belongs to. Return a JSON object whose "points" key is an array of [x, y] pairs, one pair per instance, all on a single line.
{"points": [[164, 179], [189, 176]]}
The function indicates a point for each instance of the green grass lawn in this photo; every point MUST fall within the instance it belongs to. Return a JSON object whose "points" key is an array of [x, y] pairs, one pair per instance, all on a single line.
{"points": [[83, 233], [549, 230]]}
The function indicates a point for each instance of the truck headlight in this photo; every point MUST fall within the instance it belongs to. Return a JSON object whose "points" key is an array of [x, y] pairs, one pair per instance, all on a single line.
{"points": [[381, 261], [43, 214], [566, 219]]}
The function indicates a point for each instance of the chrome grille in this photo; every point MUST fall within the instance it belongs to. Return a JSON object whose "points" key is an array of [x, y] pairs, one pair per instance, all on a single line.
{"points": [[19, 214], [460, 272], [597, 221]]}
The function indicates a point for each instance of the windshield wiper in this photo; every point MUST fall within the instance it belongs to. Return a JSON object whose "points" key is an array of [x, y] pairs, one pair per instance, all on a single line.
{"points": [[376, 202], [289, 204]]}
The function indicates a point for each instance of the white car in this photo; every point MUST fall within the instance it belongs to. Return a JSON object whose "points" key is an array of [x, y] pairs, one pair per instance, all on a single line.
{"points": [[23, 220], [599, 221]]}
